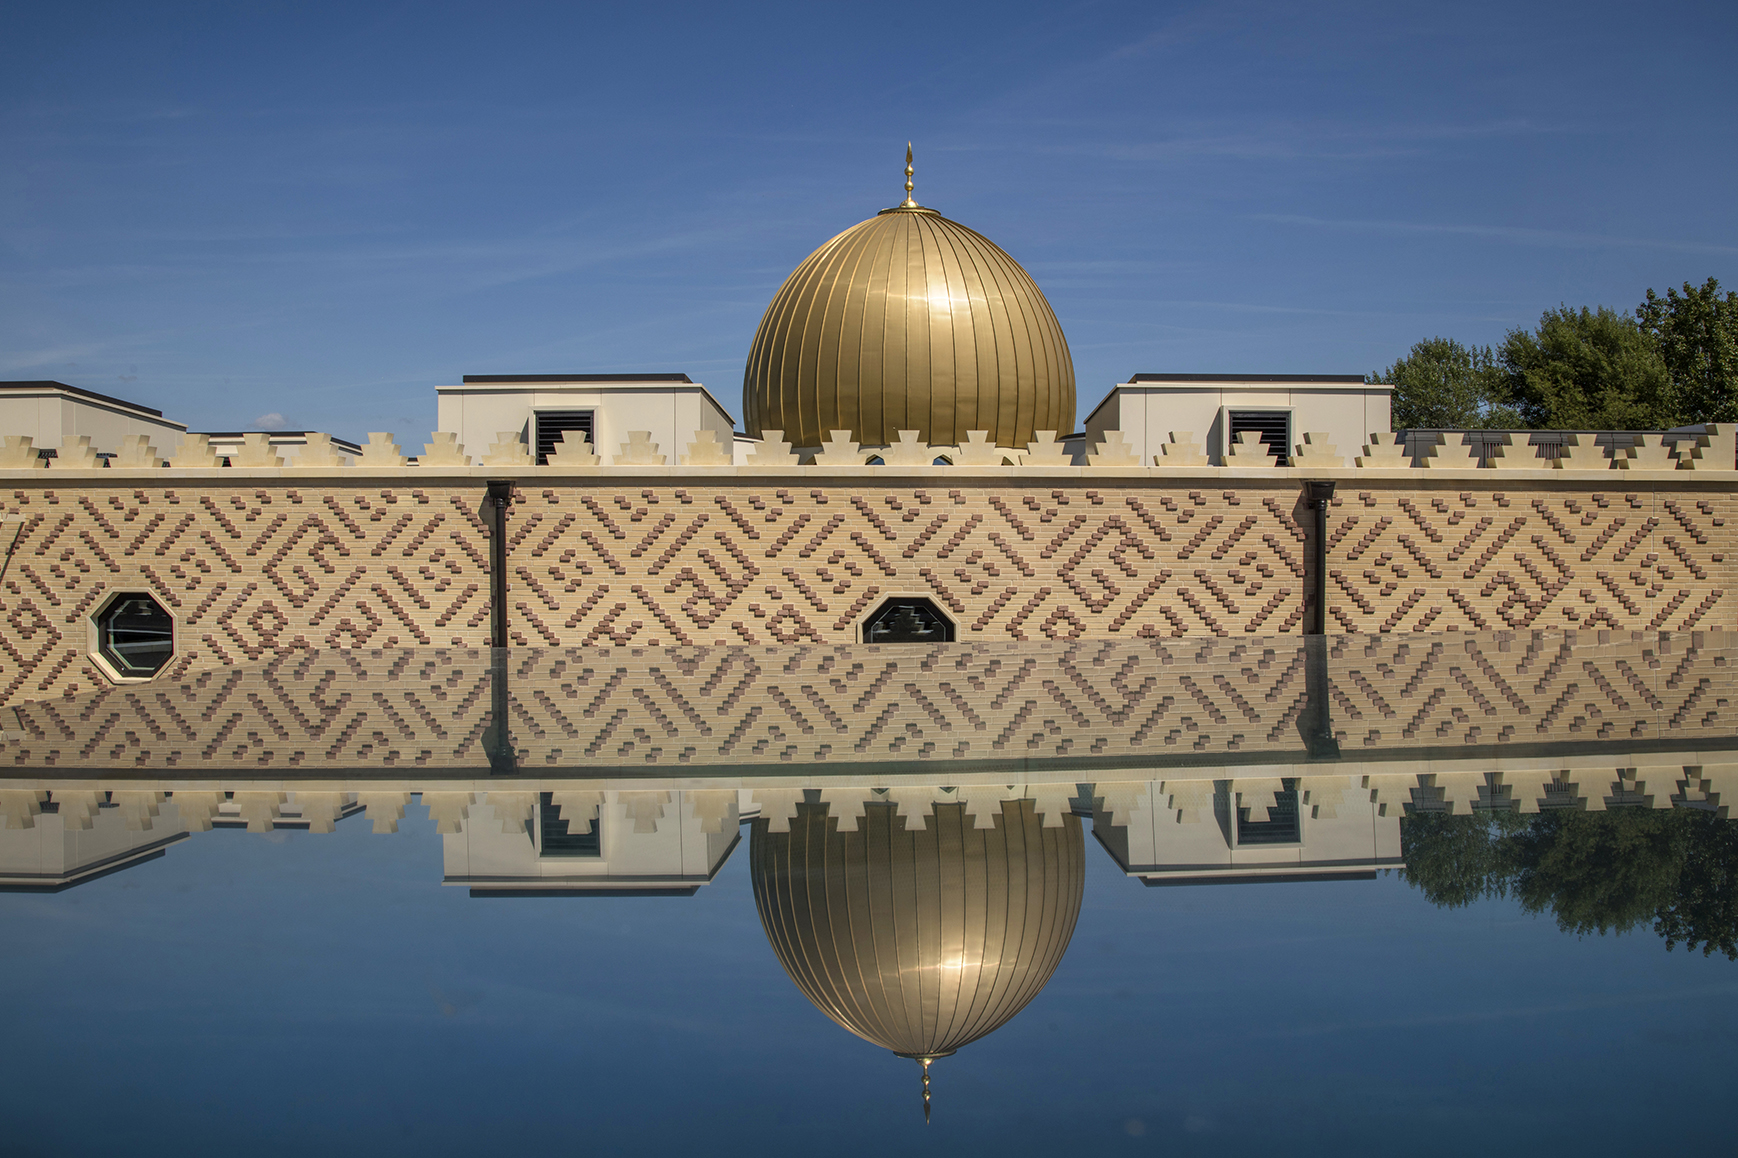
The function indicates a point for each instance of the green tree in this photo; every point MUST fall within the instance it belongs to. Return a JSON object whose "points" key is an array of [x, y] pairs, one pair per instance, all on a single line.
{"points": [[1442, 384], [1703, 911], [1697, 337], [1455, 860], [1597, 872], [1594, 872], [1587, 370]]}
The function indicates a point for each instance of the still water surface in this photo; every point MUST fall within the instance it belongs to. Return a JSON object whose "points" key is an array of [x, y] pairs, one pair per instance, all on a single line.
{"points": [[287, 990]]}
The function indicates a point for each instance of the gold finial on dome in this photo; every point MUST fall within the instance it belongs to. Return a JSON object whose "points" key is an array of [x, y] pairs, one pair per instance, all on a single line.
{"points": [[908, 203]]}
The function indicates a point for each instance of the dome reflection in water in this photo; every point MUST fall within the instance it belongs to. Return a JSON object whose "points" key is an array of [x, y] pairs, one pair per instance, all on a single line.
{"points": [[921, 940]]}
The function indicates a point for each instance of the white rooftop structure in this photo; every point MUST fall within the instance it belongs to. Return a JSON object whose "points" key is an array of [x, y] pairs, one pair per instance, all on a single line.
{"points": [[50, 413], [539, 409], [1275, 409]]}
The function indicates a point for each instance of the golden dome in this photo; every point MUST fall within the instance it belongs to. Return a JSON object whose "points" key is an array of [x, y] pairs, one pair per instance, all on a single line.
{"points": [[909, 321], [923, 940]]}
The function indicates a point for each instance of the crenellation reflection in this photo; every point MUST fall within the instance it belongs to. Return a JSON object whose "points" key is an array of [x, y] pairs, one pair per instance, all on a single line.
{"points": [[915, 811]]}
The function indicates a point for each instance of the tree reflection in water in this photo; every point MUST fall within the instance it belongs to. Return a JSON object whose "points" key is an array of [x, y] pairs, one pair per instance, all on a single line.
{"points": [[1598, 872]]}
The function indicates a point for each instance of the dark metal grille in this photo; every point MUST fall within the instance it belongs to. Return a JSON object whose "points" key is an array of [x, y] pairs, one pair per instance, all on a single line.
{"points": [[551, 425], [557, 841], [908, 621], [1273, 426], [1279, 826]]}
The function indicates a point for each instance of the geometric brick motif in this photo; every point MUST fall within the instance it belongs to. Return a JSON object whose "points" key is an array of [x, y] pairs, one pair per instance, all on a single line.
{"points": [[1174, 702], [740, 564], [1416, 560], [1532, 687], [266, 567], [247, 571]]}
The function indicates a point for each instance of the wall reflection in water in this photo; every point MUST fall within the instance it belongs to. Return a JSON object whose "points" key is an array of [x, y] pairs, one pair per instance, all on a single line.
{"points": [[922, 903]]}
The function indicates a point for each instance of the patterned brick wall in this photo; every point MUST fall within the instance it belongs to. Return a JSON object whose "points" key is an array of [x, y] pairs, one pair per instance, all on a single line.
{"points": [[1077, 707], [1410, 558], [741, 563], [248, 571], [254, 565]]}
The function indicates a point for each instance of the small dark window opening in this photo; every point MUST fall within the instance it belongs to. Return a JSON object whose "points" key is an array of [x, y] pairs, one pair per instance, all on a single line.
{"points": [[556, 840], [136, 636], [552, 425], [908, 621], [1273, 426], [1279, 826]]}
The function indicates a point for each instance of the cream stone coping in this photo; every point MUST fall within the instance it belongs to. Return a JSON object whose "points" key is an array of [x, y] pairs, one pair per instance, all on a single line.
{"points": [[1173, 476], [849, 776], [641, 458]]}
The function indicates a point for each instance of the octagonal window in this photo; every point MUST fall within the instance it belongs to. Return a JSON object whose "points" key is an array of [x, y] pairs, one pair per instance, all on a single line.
{"points": [[908, 621], [135, 636]]}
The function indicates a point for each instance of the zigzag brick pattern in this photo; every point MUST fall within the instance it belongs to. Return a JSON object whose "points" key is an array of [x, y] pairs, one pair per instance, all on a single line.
{"points": [[1416, 560], [743, 564], [687, 710], [247, 571], [258, 568], [1532, 687]]}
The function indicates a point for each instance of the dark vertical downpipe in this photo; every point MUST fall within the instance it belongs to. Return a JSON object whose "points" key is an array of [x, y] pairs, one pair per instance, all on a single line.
{"points": [[495, 503], [497, 741], [1316, 723], [1319, 495]]}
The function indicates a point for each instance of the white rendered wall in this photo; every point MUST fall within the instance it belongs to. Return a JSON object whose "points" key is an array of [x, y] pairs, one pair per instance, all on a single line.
{"points": [[672, 412], [1158, 845], [50, 848], [678, 852], [49, 416], [1147, 413]]}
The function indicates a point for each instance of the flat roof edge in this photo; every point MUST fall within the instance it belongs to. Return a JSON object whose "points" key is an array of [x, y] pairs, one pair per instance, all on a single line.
{"points": [[49, 384], [1336, 378], [508, 378]]}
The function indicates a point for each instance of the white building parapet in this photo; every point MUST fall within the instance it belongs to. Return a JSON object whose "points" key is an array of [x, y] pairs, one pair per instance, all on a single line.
{"points": [[1046, 451], [381, 450], [573, 451], [639, 450], [20, 453], [443, 449], [1386, 450], [76, 453], [508, 449], [1114, 451], [772, 452], [706, 450], [194, 453], [1315, 452], [1181, 450]]}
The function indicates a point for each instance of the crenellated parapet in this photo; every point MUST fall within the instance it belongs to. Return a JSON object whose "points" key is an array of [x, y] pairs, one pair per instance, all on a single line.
{"points": [[1713, 451]]}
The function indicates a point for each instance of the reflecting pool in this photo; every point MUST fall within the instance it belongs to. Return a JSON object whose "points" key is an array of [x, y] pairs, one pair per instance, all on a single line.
{"points": [[1328, 894]]}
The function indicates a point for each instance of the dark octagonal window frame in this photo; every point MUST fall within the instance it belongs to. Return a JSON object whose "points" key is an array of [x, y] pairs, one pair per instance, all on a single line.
{"points": [[125, 644], [907, 607]]}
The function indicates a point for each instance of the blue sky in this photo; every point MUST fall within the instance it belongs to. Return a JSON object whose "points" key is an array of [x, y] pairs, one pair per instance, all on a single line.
{"points": [[294, 993], [324, 211]]}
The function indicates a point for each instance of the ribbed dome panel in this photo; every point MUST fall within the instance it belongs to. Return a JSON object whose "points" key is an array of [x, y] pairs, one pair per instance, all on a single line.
{"points": [[909, 321], [919, 941]]}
